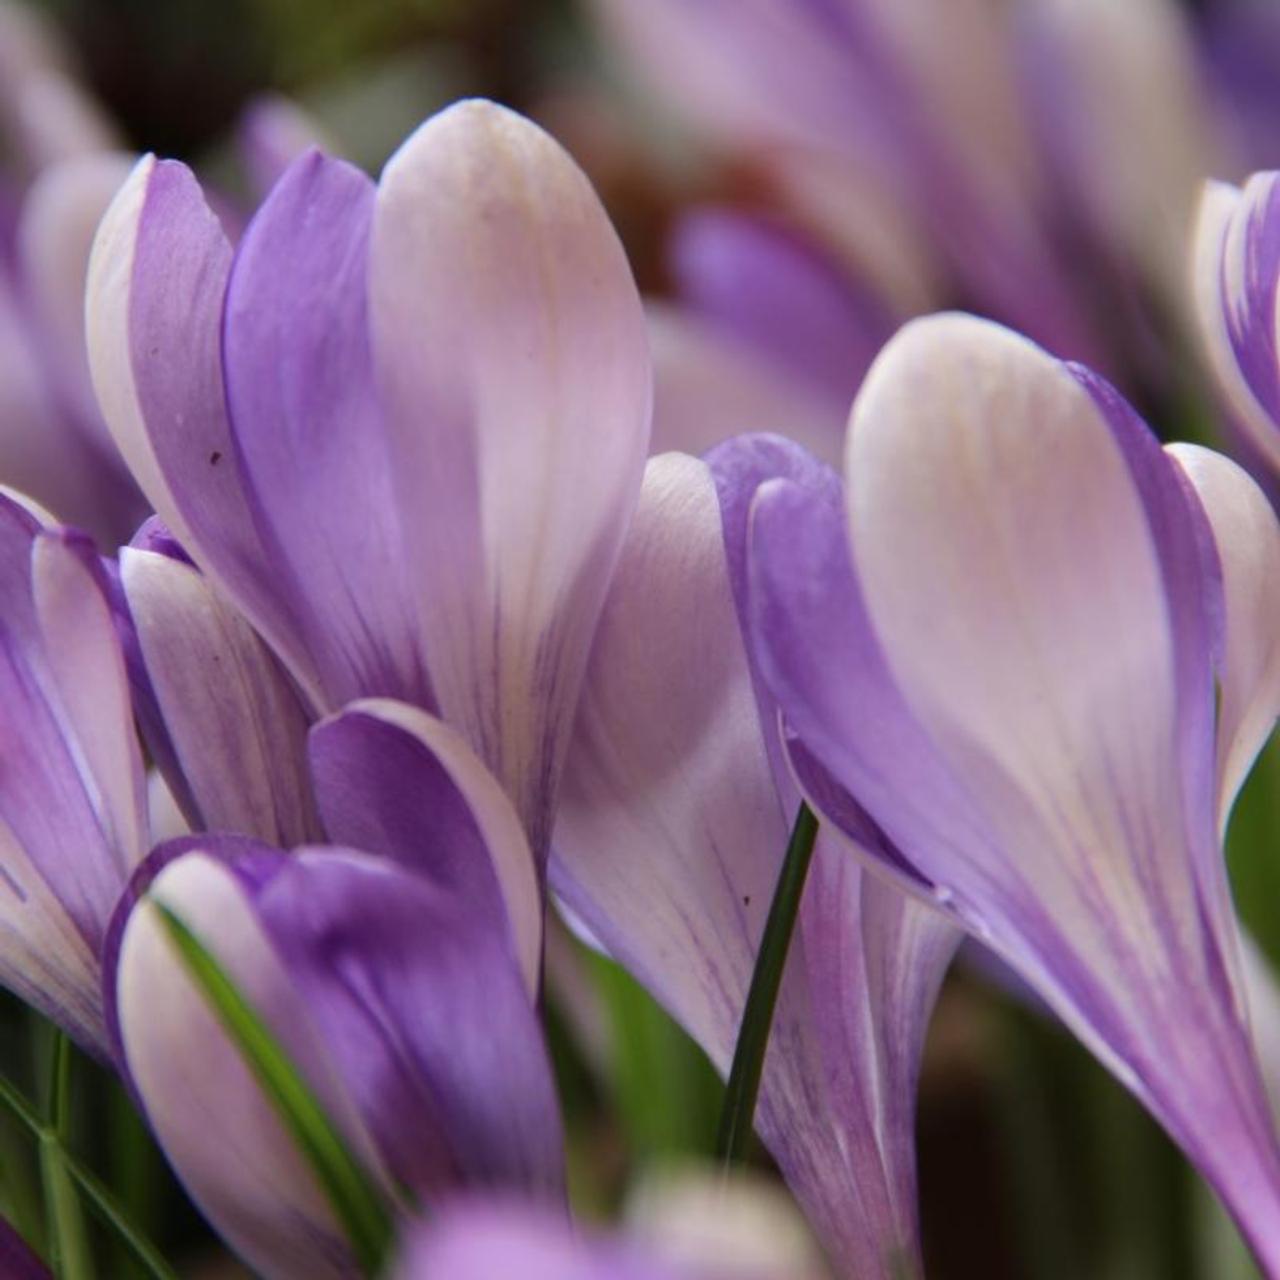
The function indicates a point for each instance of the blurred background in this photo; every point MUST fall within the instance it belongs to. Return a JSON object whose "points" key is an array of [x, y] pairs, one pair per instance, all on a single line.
{"points": [[790, 188]]}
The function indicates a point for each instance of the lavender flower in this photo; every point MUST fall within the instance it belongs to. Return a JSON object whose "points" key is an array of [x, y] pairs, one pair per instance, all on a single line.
{"points": [[1003, 640], [401, 428]]}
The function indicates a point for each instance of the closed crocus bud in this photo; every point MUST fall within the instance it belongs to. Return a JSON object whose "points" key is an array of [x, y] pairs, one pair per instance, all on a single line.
{"points": [[72, 791], [1005, 638], [396, 980]]}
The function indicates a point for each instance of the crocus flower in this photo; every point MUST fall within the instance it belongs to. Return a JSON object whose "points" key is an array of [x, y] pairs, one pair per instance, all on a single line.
{"points": [[392, 976], [72, 800], [401, 428], [673, 825], [741, 1233], [1236, 273], [1003, 639]]}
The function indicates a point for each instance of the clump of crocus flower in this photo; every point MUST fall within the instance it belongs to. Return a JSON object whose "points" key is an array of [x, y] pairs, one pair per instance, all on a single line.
{"points": [[434, 659]]}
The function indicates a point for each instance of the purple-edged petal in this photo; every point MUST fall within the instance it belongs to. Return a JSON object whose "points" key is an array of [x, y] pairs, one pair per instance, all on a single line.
{"points": [[395, 781], [153, 306], [219, 1131], [233, 726], [309, 433], [1235, 274], [1247, 540], [399, 1004], [672, 828], [510, 346], [71, 816], [1013, 675]]}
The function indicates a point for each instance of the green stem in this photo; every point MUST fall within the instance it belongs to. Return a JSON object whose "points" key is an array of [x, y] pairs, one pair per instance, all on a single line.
{"points": [[734, 1136], [98, 1197], [68, 1247]]}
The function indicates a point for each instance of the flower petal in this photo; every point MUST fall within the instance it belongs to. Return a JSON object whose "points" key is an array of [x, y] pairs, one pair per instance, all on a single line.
{"points": [[1235, 271], [233, 723], [309, 435], [395, 781], [673, 824], [71, 820], [218, 1129], [153, 307], [1247, 538], [510, 346]]}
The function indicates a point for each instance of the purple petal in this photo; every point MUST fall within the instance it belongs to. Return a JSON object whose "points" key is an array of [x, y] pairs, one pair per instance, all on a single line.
{"points": [[1236, 264], [71, 795], [217, 1128], [394, 781], [309, 435], [510, 346], [1016, 683], [779, 296], [673, 824], [1247, 540], [427, 1016], [153, 306], [234, 727]]}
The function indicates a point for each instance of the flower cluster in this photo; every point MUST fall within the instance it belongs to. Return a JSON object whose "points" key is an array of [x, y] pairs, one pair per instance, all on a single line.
{"points": [[421, 653]]}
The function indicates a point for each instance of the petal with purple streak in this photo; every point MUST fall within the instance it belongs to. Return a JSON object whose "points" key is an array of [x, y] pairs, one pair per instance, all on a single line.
{"points": [[309, 436], [234, 726], [510, 346], [153, 306], [395, 781], [1247, 540], [672, 829]]}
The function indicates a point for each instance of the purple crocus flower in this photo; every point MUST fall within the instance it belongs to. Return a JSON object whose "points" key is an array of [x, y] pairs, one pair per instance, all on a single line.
{"points": [[72, 800], [1003, 638], [401, 427], [741, 1234], [399, 978], [673, 825]]}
